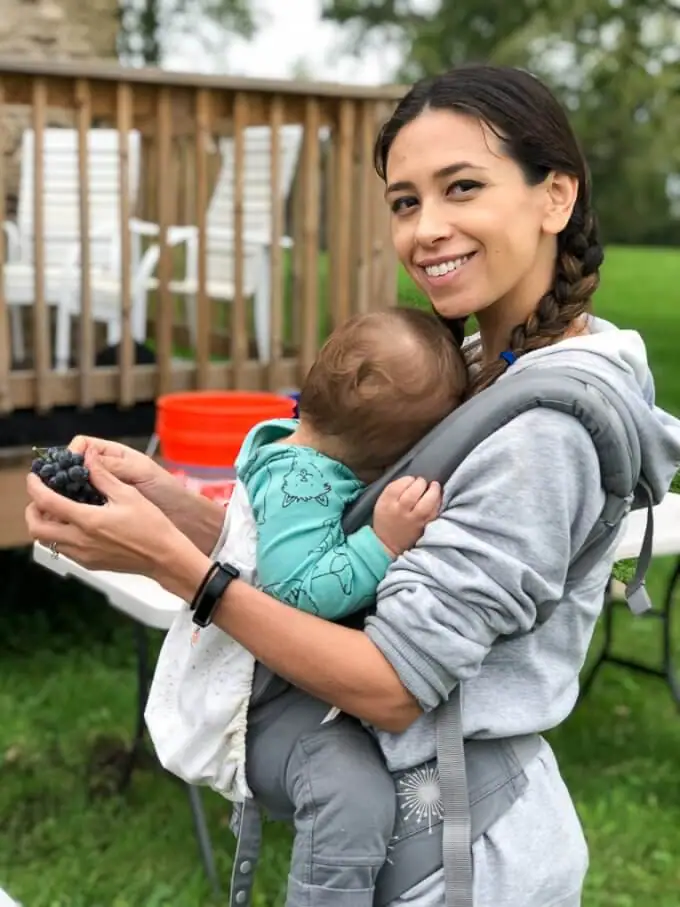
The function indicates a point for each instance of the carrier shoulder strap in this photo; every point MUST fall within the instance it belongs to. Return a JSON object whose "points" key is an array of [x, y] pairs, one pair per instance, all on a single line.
{"points": [[606, 417], [598, 407]]}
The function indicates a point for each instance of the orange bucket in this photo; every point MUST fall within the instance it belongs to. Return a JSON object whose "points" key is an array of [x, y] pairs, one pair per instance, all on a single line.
{"points": [[201, 432], [207, 428]]}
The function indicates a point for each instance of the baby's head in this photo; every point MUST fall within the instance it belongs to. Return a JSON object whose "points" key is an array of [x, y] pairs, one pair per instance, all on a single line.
{"points": [[379, 384]]}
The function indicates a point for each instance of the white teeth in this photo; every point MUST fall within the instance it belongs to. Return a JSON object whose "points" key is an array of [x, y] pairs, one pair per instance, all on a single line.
{"points": [[445, 266]]}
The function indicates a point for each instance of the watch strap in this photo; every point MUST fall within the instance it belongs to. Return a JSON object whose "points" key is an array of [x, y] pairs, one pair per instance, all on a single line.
{"points": [[212, 588]]}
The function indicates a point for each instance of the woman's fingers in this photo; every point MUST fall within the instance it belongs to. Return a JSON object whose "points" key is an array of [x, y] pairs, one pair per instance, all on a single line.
{"points": [[80, 444], [111, 473], [120, 467], [103, 480], [83, 443], [54, 505], [44, 530]]}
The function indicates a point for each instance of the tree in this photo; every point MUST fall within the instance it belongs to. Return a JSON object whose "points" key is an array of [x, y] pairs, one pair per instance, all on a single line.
{"points": [[436, 34], [147, 27], [614, 63]]}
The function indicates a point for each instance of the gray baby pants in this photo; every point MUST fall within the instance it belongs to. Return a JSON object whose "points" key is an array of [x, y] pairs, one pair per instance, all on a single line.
{"points": [[331, 780]]}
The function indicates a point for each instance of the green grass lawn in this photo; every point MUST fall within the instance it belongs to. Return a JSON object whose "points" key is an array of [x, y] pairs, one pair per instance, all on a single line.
{"points": [[66, 709]]}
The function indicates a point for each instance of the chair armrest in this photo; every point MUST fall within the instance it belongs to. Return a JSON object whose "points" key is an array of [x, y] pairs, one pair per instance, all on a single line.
{"points": [[189, 236], [142, 267], [13, 240], [143, 227]]}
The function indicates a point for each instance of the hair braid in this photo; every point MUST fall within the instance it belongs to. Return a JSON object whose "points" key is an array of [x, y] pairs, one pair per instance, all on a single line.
{"points": [[577, 276]]}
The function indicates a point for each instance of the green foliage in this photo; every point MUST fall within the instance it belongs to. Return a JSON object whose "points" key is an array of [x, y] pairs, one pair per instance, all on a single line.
{"points": [[615, 65], [146, 25]]}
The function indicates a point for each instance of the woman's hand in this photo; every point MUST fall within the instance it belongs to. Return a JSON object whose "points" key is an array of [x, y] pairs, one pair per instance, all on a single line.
{"points": [[132, 467], [197, 517], [127, 534]]}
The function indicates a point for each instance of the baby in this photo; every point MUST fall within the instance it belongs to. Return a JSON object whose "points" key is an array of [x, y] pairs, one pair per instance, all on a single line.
{"points": [[379, 384]]}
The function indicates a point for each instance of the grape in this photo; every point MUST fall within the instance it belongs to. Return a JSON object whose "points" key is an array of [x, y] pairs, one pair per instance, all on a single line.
{"points": [[65, 472], [60, 480]]}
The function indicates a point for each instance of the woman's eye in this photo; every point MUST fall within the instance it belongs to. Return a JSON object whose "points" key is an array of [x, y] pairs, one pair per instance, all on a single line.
{"points": [[403, 204], [462, 187]]}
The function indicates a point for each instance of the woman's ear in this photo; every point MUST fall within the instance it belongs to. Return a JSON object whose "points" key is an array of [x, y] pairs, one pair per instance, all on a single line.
{"points": [[561, 194]]}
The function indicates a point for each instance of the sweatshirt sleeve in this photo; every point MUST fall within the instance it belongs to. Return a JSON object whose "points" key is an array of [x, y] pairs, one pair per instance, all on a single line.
{"points": [[303, 556], [514, 513]]}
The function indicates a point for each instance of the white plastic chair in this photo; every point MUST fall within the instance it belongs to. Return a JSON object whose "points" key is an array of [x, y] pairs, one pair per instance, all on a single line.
{"points": [[257, 217], [61, 218]]}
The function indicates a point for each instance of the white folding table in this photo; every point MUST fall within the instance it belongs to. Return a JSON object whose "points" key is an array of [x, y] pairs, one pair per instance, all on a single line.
{"points": [[151, 607], [666, 543]]}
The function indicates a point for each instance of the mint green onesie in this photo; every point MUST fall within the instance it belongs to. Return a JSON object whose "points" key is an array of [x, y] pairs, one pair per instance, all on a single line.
{"points": [[298, 497]]}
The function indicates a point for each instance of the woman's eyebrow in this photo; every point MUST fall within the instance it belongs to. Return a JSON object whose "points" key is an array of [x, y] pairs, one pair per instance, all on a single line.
{"points": [[449, 170]]}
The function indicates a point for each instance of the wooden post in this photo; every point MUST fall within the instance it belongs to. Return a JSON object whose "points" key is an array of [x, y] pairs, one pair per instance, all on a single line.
{"points": [[276, 253], [41, 330], [86, 354], [310, 237], [239, 322], [5, 341], [126, 350], [203, 120], [164, 315], [340, 289]]}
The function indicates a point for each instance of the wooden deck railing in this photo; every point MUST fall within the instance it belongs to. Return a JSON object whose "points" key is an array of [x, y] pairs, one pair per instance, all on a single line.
{"points": [[340, 259]]}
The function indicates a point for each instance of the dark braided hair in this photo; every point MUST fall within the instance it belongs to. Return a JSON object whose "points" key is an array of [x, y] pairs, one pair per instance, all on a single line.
{"points": [[534, 130]]}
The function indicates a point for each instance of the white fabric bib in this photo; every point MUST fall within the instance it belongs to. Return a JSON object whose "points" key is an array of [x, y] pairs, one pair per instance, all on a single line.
{"points": [[198, 702]]}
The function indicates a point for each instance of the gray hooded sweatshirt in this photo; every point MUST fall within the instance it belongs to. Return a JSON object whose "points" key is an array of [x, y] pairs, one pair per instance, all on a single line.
{"points": [[513, 515]]}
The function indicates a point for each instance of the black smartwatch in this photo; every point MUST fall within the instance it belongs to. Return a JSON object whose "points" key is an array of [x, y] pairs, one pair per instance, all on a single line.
{"points": [[211, 590]]}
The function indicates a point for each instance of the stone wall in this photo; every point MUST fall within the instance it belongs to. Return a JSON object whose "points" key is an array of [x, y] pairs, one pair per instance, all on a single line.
{"points": [[49, 30]]}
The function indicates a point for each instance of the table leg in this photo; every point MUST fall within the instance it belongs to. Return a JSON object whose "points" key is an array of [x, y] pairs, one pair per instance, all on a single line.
{"points": [[665, 615], [144, 676], [604, 653], [672, 589], [143, 684], [203, 835]]}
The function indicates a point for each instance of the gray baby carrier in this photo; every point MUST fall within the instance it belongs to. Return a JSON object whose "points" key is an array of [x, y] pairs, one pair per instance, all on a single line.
{"points": [[479, 779]]}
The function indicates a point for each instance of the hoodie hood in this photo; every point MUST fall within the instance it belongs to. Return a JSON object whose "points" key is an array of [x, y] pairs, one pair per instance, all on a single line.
{"points": [[619, 357]]}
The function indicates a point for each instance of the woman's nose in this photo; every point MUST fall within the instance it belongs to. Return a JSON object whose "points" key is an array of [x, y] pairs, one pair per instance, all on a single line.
{"points": [[434, 224]]}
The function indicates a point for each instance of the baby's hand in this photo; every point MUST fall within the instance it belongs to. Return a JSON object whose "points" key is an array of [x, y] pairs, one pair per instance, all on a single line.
{"points": [[403, 510]]}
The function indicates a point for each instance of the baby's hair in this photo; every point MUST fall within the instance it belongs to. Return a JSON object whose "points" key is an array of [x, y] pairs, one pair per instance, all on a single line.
{"points": [[379, 383]]}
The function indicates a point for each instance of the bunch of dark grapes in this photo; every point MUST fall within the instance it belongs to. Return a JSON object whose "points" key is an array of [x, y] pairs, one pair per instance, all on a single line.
{"points": [[65, 472]]}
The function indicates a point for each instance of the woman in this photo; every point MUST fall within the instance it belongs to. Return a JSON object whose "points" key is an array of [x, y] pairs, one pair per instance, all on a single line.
{"points": [[491, 216]]}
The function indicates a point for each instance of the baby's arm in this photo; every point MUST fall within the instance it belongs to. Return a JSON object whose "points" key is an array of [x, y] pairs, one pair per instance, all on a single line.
{"points": [[303, 556]]}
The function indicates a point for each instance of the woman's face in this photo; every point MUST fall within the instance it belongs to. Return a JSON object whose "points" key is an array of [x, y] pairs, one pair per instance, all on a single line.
{"points": [[466, 225]]}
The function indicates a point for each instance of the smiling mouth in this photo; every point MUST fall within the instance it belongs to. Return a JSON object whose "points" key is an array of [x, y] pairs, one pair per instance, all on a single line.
{"points": [[447, 267]]}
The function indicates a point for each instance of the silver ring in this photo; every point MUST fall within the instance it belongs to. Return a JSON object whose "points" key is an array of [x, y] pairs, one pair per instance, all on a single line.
{"points": [[54, 551]]}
